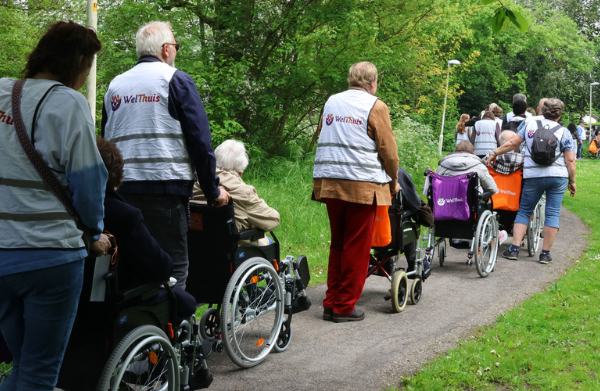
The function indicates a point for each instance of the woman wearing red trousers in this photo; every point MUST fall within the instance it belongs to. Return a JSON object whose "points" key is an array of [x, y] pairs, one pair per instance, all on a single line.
{"points": [[356, 169]]}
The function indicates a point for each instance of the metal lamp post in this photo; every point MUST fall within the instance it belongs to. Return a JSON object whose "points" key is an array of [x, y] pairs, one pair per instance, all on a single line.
{"points": [[591, 84], [92, 14], [451, 62]]}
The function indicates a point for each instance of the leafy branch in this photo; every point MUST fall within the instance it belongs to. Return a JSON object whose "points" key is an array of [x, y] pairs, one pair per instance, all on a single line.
{"points": [[502, 16]]}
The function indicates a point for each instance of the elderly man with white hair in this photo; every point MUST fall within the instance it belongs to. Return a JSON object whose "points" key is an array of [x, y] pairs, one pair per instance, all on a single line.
{"points": [[510, 161], [154, 114], [250, 211]]}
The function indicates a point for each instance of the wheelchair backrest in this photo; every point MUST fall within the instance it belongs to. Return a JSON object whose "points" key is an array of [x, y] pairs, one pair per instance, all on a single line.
{"points": [[452, 198], [509, 190]]}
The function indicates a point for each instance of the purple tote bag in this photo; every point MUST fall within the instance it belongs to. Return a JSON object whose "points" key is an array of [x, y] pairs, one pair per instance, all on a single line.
{"points": [[450, 197]]}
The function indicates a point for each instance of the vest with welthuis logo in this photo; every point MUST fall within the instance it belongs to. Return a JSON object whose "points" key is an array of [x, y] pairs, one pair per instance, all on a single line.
{"points": [[345, 150], [138, 121], [509, 190]]}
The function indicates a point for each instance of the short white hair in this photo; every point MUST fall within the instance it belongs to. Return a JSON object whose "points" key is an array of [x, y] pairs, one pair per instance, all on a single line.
{"points": [[505, 136], [231, 155], [151, 37]]}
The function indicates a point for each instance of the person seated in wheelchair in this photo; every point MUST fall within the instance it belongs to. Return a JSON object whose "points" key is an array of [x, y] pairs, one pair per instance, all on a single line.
{"points": [[250, 211], [511, 161], [462, 161], [143, 260], [410, 202]]}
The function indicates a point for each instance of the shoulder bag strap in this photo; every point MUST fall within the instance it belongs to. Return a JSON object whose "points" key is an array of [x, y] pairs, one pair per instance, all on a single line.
{"points": [[34, 156]]}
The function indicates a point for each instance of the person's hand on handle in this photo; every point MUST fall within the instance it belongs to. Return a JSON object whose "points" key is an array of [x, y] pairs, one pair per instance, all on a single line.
{"points": [[396, 189], [222, 199], [101, 246]]}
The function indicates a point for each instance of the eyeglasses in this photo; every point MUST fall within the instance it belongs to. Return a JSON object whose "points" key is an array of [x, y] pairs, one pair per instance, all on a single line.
{"points": [[177, 46]]}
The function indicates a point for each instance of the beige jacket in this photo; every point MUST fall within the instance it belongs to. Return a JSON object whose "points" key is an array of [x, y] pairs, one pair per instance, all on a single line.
{"points": [[250, 211]]}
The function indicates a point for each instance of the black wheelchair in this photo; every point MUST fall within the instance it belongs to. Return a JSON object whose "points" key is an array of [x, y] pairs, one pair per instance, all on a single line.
{"points": [[384, 261], [251, 293], [131, 339], [478, 233]]}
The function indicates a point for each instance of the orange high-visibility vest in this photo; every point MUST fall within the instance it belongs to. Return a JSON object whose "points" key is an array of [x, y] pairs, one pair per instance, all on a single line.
{"points": [[509, 189]]}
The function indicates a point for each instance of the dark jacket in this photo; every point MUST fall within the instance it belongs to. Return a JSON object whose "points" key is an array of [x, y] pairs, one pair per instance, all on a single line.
{"points": [[141, 259], [410, 198]]}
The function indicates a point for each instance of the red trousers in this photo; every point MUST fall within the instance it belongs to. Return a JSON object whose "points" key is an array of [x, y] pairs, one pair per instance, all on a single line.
{"points": [[351, 234]]}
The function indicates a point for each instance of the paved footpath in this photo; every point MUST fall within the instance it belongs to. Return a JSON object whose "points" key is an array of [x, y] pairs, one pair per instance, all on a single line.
{"points": [[374, 353]]}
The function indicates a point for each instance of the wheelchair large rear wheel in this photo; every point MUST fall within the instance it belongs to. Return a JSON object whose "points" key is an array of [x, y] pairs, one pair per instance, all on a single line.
{"points": [[399, 291], [485, 245], [252, 312], [143, 360]]}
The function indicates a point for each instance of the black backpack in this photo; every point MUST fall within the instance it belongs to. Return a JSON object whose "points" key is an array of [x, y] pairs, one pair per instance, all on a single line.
{"points": [[512, 125], [543, 145]]}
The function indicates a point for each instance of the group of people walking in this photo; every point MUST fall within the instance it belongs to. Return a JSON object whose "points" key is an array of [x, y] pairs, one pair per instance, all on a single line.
{"points": [[157, 147], [511, 142]]}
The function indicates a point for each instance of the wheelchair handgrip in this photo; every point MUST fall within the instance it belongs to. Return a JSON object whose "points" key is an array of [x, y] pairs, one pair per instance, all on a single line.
{"points": [[485, 195], [252, 234]]}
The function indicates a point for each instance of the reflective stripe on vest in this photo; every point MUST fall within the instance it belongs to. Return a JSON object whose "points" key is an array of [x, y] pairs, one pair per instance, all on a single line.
{"points": [[138, 121], [485, 138], [345, 150], [28, 208], [533, 170]]}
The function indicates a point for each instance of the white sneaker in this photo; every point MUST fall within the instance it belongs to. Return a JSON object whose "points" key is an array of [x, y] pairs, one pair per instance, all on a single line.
{"points": [[502, 236]]}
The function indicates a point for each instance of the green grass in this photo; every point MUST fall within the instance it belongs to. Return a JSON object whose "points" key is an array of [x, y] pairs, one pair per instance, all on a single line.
{"points": [[551, 341]]}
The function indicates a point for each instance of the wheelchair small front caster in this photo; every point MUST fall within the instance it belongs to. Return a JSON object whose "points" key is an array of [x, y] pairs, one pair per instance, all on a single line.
{"points": [[217, 346]]}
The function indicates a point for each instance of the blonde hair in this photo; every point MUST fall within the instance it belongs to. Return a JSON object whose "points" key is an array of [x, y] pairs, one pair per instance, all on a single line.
{"points": [[460, 127], [497, 110], [362, 74], [231, 155]]}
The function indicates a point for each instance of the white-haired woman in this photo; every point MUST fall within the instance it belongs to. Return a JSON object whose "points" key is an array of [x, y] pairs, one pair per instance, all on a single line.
{"points": [[250, 211]]}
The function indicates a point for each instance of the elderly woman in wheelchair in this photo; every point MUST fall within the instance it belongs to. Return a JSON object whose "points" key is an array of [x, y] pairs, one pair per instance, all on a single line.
{"points": [[133, 329], [459, 194]]}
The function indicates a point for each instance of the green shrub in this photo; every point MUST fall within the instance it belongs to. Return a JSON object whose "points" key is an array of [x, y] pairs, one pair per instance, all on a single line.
{"points": [[417, 148]]}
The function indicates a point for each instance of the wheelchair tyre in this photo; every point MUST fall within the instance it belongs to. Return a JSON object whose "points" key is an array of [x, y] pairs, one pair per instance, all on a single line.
{"points": [[144, 359], [252, 312], [539, 225], [485, 246], [399, 291], [442, 255], [416, 290], [209, 323], [284, 338]]}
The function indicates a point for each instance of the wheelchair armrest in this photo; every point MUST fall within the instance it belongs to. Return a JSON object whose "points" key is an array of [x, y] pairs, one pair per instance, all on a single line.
{"points": [[485, 195], [144, 291], [252, 234], [408, 213]]}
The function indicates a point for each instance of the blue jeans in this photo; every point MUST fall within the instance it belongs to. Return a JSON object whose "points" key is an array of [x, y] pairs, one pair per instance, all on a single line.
{"points": [[579, 146], [533, 189], [37, 310], [167, 218]]}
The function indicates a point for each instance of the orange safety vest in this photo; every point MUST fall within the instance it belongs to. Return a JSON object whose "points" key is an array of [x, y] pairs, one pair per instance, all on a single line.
{"points": [[509, 190]]}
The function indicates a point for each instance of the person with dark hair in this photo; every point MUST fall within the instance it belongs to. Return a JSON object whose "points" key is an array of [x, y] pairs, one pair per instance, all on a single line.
{"points": [[580, 138], [485, 135], [573, 130], [552, 179], [153, 112], [521, 113], [41, 247]]}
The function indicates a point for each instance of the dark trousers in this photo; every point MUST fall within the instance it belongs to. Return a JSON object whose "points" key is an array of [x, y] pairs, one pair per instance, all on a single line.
{"points": [[351, 235], [166, 217]]}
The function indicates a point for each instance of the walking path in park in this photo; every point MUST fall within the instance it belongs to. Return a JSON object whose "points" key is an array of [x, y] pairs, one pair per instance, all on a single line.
{"points": [[374, 353]]}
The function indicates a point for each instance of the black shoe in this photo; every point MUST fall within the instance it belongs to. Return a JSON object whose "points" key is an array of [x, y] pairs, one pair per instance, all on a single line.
{"points": [[354, 316], [328, 314], [513, 255], [545, 259]]}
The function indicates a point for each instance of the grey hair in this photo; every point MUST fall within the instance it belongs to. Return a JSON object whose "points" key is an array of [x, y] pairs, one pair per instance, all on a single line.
{"points": [[553, 109], [503, 138], [362, 74], [518, 97], [151, 37], [231, 155]]}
